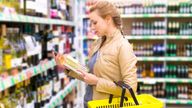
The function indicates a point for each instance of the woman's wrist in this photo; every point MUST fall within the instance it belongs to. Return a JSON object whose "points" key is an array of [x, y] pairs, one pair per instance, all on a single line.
{"points": [[96, 80]]}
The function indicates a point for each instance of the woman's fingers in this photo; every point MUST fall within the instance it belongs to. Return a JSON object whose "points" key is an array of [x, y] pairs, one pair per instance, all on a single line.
{"points": [[82, 74], [53, 54], [57, 58]]}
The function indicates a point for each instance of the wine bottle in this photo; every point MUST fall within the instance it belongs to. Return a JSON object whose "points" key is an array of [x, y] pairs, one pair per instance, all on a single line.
{"points": [[1, 53]]}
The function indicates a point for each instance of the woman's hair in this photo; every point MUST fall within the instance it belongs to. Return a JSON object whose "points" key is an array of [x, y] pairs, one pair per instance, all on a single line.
{"points": [[106, 8]]}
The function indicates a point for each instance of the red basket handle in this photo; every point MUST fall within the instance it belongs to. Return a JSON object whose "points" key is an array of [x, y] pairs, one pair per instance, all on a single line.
{"points": [[124, 87]]}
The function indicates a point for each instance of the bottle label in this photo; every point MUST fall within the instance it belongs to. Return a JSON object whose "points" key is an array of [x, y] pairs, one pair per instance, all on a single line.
{"points": [[1, 57], [44, 92], [7, 61], [57, 86], [39, 93], [47, 91]]}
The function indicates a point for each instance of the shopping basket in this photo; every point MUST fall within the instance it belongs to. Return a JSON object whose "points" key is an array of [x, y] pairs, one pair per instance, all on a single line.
{"points": [[138, 101]]}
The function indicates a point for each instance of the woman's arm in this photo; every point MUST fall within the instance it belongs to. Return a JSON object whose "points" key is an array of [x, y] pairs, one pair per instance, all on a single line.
{"points": [[127, 64]]}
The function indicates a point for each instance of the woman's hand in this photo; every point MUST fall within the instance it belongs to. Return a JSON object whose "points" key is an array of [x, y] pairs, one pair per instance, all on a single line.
{"points": [[89, 78], [91, 2], [58, 58]]}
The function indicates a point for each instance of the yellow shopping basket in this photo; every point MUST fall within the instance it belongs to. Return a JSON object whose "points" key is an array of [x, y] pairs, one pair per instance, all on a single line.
{"points": [[139, 101]]}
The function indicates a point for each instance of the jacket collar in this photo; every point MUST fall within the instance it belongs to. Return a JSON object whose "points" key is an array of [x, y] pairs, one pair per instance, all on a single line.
{"points": [[112, 37], [116, 35]]}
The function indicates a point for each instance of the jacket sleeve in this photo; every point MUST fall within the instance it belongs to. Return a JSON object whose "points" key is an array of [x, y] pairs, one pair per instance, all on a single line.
{"points": [[127, 63]]}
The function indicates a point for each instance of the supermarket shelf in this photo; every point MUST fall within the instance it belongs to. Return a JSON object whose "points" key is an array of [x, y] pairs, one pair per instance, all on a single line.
{"points": [[90, 37], [176, 101], [31, 19], [59, 97], [26, 74], [84, 16], [170, 80], [158, 37], [73, 53], [154, 15], [188, 59], [149, 15]]}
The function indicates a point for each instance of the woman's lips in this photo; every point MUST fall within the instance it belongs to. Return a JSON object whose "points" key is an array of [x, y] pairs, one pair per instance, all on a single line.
{"points": [[96, 32]]}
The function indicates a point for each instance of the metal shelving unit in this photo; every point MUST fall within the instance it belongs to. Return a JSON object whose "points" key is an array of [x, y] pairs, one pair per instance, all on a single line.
{"points": [[30, 19]]}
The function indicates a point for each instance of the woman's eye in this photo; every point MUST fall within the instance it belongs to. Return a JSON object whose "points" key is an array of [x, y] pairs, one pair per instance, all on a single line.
{"points": [[94, 22]]}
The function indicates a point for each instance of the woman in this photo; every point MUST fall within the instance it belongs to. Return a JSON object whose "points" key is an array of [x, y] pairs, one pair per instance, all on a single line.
{"points": [[111, 57]]}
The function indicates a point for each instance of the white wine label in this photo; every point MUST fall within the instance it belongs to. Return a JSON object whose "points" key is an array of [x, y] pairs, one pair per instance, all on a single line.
{"points": [[1, 57], [57, 86]]}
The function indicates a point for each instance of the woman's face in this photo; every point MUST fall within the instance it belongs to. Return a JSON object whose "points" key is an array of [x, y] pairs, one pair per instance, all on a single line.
{"points": [[98, 24]]}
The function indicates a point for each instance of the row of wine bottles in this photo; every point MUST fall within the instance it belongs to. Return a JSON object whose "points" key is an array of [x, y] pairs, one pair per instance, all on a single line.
{"points": [[159, 49], [57, 9], [22, 47], [154, 7], [168, 71], [167, 90], [35, 92], [160, 28]]}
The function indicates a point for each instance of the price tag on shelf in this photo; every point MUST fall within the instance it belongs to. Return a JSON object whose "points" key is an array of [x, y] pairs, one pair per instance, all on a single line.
{"points": [[20, 77], [33, 19], [8, 82], [54, 104], [12, 80], [149, 81], [49, 20], [189, 102], [190, 37], [23, 76], [61, 97], [70, 89], [50, 64], [180, 81], [2, 86], [46, 66], [172, 80], [178, 102], [1, 15], [50, 106], [146, 37], [53, 63], [16, 79], [57, 100], [29, 74], [42, 20], [144, 59], [10, 17], [145, 15], [23, 19], [27, 19], [176, 37], [41, 68], [190, 81], [35, 70], [19, 18], [15, 17]]}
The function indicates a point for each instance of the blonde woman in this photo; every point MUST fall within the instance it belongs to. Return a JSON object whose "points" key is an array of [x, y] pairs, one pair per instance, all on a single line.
{"points": [[111, 57]]}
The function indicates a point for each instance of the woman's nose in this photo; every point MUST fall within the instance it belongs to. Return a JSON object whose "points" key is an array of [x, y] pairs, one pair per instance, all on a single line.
{"points": [[92, 28]]}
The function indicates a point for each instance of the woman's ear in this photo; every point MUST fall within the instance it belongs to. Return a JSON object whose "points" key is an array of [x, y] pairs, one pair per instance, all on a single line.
{"points": [[108, 19]]}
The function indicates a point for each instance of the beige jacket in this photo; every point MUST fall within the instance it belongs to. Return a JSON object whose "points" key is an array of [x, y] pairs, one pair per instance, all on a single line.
{"points": [[116, 62]]}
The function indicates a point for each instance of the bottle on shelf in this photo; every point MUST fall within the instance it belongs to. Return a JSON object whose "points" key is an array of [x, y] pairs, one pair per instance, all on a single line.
{"points": [[148, 28], [156, 89], [143, 7]]}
